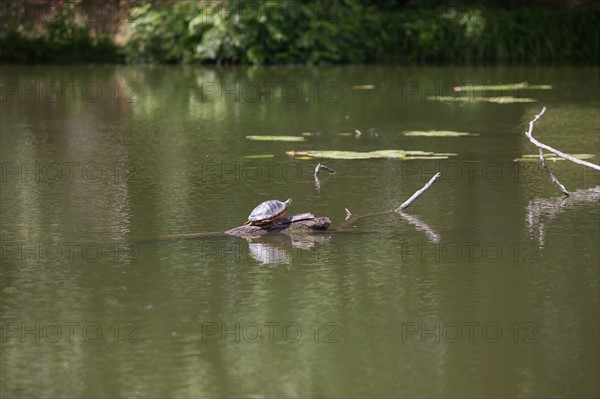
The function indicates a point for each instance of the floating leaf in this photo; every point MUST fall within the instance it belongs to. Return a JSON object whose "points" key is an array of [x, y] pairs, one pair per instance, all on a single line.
{"points": [[439, 133], [550, 157], [275, 138], [259, 156], [507, 100], [497, 100], [363, 87], [393, 154], [507, 87]]}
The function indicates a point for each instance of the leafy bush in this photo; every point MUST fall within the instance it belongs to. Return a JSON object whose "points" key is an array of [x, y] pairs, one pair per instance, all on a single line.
{"points": [[61, 40], [323, 31], [162, 34]]}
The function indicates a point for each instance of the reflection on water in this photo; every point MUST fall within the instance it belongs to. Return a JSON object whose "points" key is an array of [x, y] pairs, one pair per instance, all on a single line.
{"points": [[274, 250], [268, 253], [422, 226], [541, 211], [117, 279]]}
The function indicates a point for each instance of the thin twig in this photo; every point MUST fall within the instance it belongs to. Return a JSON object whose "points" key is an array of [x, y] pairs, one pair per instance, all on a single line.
{"points": [[348, 214], [319, 167], [417, 194], [317, 170], [554, 179], [552, 150], [353, 219]]}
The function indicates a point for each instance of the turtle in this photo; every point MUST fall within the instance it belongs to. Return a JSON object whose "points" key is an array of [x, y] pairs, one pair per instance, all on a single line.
{"points": [[267, 212]]}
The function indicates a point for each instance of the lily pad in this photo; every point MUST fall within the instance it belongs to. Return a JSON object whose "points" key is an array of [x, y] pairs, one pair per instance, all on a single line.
{"points": [[363, 87], [259, 156], [275, 138], [506, 100], [506, 87], [497, 100], [389, 154], [549, 157], [439, 133]]}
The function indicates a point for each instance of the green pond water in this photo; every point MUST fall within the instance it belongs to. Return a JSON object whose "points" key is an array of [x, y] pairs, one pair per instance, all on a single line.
{"points": [[487, 286]]}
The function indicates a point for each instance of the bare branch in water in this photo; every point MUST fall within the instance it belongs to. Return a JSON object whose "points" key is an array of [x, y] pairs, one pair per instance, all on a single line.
{"points": [[433, 236], [552, 150], [554, 179], [319, 167], [417, 194]]}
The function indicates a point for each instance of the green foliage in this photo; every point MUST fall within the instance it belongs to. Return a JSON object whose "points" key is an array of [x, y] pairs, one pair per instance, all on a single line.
{"points": [[523, 35], [218, 42], [353, 31], [163, 33], [324, 32], [61, 40], [293, 32]]}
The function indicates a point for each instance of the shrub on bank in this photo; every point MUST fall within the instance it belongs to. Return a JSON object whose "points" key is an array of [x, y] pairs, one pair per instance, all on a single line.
{"points": [[61, 39], [317, 32]]}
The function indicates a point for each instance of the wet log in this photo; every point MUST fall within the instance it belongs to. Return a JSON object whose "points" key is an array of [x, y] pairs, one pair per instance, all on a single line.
{"points": [[297, 224]]}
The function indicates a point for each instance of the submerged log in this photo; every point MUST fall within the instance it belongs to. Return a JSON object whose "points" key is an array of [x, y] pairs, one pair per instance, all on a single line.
{"points": [[297, 224]]}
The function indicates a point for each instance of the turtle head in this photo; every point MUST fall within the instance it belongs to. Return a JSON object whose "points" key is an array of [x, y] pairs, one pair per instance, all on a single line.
{"points": [[288, 202]]}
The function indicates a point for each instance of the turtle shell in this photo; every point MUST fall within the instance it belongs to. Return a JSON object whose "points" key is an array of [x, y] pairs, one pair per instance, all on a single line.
{"points": [[268, 211]]}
